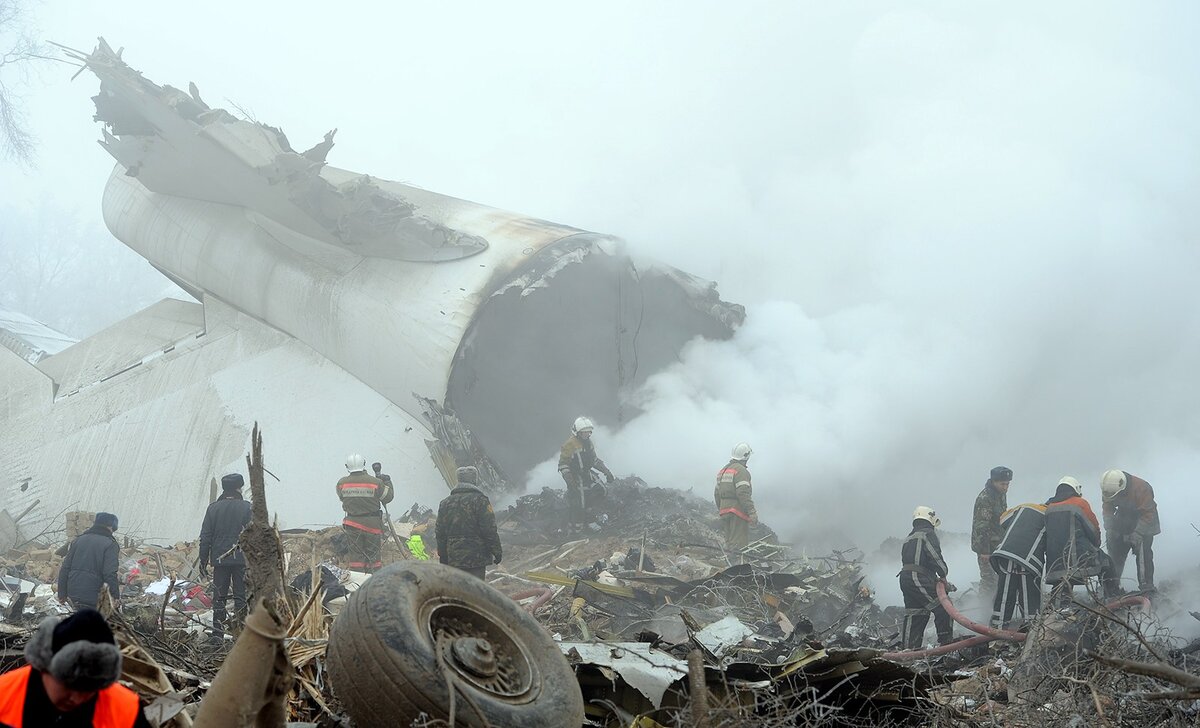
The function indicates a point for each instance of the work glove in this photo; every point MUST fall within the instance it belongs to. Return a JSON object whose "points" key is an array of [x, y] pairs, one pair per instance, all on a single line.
{"points": [[496, 558], [203, 570], [609, 477], [950, 587]]}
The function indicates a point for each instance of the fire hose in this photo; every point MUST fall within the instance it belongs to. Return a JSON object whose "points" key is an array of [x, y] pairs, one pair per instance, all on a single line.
{"points": [[987, 634], [543, 595]]}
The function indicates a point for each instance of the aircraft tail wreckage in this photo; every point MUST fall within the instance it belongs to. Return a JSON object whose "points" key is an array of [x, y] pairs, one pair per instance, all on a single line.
{"points": [[342, 311]]}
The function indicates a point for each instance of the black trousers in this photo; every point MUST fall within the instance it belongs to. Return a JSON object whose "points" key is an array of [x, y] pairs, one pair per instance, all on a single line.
{"points": [[1118, 550], [920, 598], [477, 571], [1017, 588], [227, 577]]}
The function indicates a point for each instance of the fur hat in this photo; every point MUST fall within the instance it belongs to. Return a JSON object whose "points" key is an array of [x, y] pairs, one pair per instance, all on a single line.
{"points": [[106, 519], [467, 474], [1001, 473], [79, 650], [233, 481]]}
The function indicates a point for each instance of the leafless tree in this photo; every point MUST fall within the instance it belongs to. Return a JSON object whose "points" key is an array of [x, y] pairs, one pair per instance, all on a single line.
{"points": [[17, 48]]}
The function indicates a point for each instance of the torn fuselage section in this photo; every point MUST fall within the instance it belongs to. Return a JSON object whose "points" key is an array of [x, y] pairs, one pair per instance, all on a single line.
{"points": [[174, 143], [571, 333]]}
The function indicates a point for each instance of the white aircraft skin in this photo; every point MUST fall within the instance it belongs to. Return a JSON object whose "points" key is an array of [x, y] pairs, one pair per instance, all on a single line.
{"points": [[333, 309]]}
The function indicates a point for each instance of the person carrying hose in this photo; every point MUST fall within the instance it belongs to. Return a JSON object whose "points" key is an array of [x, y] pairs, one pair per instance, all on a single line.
{"points": [[923, 566]]}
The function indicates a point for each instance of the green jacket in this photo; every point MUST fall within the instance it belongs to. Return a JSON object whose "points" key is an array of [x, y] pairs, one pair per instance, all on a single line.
{"points": [[986, 532], [466, 529], [576, 460], [733, 493]]}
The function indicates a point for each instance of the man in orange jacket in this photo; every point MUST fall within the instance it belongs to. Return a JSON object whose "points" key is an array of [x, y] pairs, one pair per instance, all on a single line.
{"points": [[71, 679]]}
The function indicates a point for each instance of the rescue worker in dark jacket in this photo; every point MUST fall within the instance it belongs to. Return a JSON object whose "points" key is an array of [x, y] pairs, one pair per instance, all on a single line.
{"points": [[223, 524], [466, 527], [734, 496], [70, 679], [1130, 524], [1019, 561], [363, 497], [90, 564], [576, 460], [923, 566], [990, 504], [1073, 554]]}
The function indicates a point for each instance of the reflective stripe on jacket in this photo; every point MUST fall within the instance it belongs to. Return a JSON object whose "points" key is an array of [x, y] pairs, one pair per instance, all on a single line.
{"points": [[734, 493], [1072, 540], [922, 552], [362, 494], [1024, 539], [116, 705]]}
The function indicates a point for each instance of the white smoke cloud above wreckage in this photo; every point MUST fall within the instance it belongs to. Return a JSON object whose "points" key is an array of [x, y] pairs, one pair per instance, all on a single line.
{"points": [[976, 247], [341, 311]]}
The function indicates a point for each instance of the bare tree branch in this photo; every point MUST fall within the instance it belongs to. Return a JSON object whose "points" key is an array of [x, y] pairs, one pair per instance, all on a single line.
{"points": [[1160, 670], [17, 49]]}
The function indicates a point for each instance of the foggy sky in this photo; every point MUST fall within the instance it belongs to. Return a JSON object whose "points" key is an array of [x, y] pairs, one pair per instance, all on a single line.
{"points": [[965, 236]]}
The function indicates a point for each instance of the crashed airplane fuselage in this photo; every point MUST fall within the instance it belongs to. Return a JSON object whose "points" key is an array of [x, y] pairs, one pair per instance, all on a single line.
{"points": [[342, 312]]}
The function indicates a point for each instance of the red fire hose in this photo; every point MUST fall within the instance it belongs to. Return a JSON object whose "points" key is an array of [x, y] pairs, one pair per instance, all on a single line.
{"points": [[989, 633]]}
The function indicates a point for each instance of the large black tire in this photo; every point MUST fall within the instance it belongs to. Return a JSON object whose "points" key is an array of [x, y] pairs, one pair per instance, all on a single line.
{"points": [[413, 624]]}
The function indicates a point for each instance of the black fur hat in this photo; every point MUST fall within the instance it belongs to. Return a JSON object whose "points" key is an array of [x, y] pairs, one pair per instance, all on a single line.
{"points": [[79, 650]]}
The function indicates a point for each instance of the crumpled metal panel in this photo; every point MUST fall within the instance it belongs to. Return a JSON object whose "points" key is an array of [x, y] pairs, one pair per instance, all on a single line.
{"points": [[647, 670]]}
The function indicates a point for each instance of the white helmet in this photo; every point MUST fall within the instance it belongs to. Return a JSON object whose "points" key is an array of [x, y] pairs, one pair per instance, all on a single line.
{"points": [[925, 513], [1075, 484], [582, 424], [355, 462], [741, 451], [1112, 482]]}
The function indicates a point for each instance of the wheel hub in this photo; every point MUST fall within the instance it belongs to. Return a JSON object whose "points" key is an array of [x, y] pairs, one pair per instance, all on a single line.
{"points": [[479, 649], [475, 655]]}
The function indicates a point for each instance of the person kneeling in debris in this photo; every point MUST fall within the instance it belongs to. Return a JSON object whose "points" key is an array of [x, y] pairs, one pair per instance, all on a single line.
{"points": [[734, 496], [71, 678], [466, 527], [363, 497], [91, 564], [1073, 554], [923, 568], [219, 534], [1019, 560], [576, 460]]}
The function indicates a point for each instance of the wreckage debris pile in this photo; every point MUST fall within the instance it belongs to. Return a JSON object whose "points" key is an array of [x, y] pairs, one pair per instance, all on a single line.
{"points": [[643, 603]]}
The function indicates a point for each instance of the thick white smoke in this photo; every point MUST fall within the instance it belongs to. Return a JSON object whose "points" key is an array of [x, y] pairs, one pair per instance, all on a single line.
{"points": [[977, 248]]}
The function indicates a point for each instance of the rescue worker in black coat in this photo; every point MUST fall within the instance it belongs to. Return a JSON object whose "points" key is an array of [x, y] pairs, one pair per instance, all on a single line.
{"points": [[1073, 554], [219, 534], [466, 527], [90, 564], [923, 568], [1019, 561]]}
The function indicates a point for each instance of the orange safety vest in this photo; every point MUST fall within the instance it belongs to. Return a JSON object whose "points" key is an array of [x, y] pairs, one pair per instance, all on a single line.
{"points": [[116, 705]]}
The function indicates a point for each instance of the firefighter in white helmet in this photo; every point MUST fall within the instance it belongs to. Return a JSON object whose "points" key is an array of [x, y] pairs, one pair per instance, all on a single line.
{"points": [[576, 460], [922, 568], [363, 497], [734, 497], [1130, 524]]}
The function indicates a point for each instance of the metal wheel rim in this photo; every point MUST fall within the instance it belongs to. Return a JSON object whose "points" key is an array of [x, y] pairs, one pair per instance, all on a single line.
{"points": [[447, 622]]}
